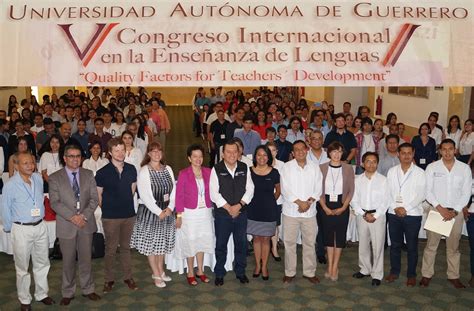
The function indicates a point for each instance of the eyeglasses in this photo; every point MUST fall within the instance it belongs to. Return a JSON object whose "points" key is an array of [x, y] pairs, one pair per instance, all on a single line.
{"points": [[74, 156]]}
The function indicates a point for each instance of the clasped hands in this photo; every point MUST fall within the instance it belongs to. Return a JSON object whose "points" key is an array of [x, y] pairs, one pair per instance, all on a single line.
{"points": [[79, 220], [446, 213], [369, 217], [165, 213], [303, 206], [334, 212], [234, 210]]}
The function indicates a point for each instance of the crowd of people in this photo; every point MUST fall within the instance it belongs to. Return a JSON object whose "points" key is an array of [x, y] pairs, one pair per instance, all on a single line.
{"points": [[280, 169]]}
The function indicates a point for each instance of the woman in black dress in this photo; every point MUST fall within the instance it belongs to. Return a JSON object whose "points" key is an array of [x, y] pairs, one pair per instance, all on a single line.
{"points": [[338, 189], [263, 210]]}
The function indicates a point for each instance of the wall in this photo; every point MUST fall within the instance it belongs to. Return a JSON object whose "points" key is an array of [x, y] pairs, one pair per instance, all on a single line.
{"points": [[357, 96], [19, 92], [314, 94], [413, 111]]}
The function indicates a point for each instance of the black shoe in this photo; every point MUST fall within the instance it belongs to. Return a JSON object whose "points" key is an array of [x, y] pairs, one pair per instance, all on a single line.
{"points": [[322, 260], [359, 275], [265, 278], [243, 279], [275, 257], [375, 282], [256, 275], [219, 281]]}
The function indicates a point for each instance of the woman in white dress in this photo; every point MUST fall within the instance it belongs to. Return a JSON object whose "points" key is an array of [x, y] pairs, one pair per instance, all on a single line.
{"points": [[133, 155], [50, 161], [195, 235], [96, 161]]}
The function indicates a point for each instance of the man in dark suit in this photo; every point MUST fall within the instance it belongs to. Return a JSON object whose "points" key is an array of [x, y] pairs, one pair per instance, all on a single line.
{"points": [[74, 198]]}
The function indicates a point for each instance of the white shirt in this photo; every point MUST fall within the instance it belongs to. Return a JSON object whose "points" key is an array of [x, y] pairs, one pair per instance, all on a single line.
{"points": [[134, 157], [2, 162], [437, 135], [333, 183], [292, 136], [323, 158], [411, 186], [50, 162], [456, 137], [279, 166], [367, 144], [36, 129], [217, 198], [245, 159], [141, 144], [213, 117], [94, 165], [471, 208], [448, 188], [370, 194], [300, 183], [466, 144], [117, 130]]}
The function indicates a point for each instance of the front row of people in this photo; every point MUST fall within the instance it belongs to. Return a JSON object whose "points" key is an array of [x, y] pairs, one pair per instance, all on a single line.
{"points": [[207, 206]]}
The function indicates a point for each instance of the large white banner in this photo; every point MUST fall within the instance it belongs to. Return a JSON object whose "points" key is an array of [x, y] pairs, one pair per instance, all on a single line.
{"points": [[245, 42]]}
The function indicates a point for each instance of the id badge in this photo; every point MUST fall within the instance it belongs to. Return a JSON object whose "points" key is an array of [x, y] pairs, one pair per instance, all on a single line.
{"points": [[422, 161], [333, 198], [78, 205], [201, 202], [222, 136], [166, 197], [399, 201], [35, 212]]}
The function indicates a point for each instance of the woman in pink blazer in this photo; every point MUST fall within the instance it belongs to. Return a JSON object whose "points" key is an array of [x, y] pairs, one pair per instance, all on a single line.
{"points": [[195, 234]]}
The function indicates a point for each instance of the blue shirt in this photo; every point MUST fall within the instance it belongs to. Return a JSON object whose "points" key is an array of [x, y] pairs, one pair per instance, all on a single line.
{"points": [[251, 140], [71, 177], [84, 141], [19, 199]]}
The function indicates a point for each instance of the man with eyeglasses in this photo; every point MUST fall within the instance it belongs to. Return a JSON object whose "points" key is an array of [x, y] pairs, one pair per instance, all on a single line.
{"points": [[73, 195]]}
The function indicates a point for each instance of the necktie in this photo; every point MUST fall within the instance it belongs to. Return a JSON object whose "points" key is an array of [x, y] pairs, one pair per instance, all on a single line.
{"points": [[75, 186]]}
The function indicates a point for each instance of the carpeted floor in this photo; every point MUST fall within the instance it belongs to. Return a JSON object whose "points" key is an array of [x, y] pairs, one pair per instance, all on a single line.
{"points": [[346, 294]]}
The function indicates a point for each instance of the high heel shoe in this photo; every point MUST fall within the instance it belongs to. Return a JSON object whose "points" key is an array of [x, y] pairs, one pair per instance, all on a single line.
{"points": [[275, 257], [158, 281], [256, 275], [165, 278]]}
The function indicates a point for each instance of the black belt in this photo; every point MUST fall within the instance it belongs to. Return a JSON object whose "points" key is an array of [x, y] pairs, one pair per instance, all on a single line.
{"points": [[29, 223], [370, 211]]}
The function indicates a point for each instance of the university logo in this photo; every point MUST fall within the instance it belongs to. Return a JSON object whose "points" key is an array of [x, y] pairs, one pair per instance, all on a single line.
{"points": [[399, 44], [94, 44]]}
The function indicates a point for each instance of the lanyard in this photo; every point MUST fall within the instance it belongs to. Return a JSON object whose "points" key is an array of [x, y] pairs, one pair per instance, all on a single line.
{"points": [[400, 186], [55, 161], [28, 192], [334, 182]]}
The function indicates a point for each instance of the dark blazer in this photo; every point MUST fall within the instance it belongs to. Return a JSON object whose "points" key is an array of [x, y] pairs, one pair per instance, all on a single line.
{"points": [[63, 202], [347, 181]]}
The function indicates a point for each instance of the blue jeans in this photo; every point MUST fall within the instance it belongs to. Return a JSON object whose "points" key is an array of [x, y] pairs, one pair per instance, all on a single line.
{"points": [[224, 226], [400, 227], [470, 232]]}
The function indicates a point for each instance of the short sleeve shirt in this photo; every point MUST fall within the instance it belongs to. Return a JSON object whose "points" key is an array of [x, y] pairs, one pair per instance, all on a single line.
{"points": [[117, 197]]}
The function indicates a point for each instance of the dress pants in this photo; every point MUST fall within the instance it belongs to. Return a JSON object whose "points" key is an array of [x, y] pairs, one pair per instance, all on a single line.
{"points": [[225, 225], [371, 236], [82, 245], [320, 249], [453, 256], [470, 232], [31, 241], [407, 227], [308, 227], [118, 232]]}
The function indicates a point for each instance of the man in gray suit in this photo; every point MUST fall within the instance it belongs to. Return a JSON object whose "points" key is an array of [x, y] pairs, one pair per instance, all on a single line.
{"points": [[74, 198]]}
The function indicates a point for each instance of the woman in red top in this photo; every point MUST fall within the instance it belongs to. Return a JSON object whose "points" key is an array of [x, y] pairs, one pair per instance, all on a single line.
{"points": [[261, 124]]}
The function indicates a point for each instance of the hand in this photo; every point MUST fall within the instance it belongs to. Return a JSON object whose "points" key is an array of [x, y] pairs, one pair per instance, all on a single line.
{"points": [[445, 213], [328, 211], [465, 212], [78, 220], [303, 206], [162, 214], [400, 211], [338, 211], [179, 222], [369, 218], [168, 212]]}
